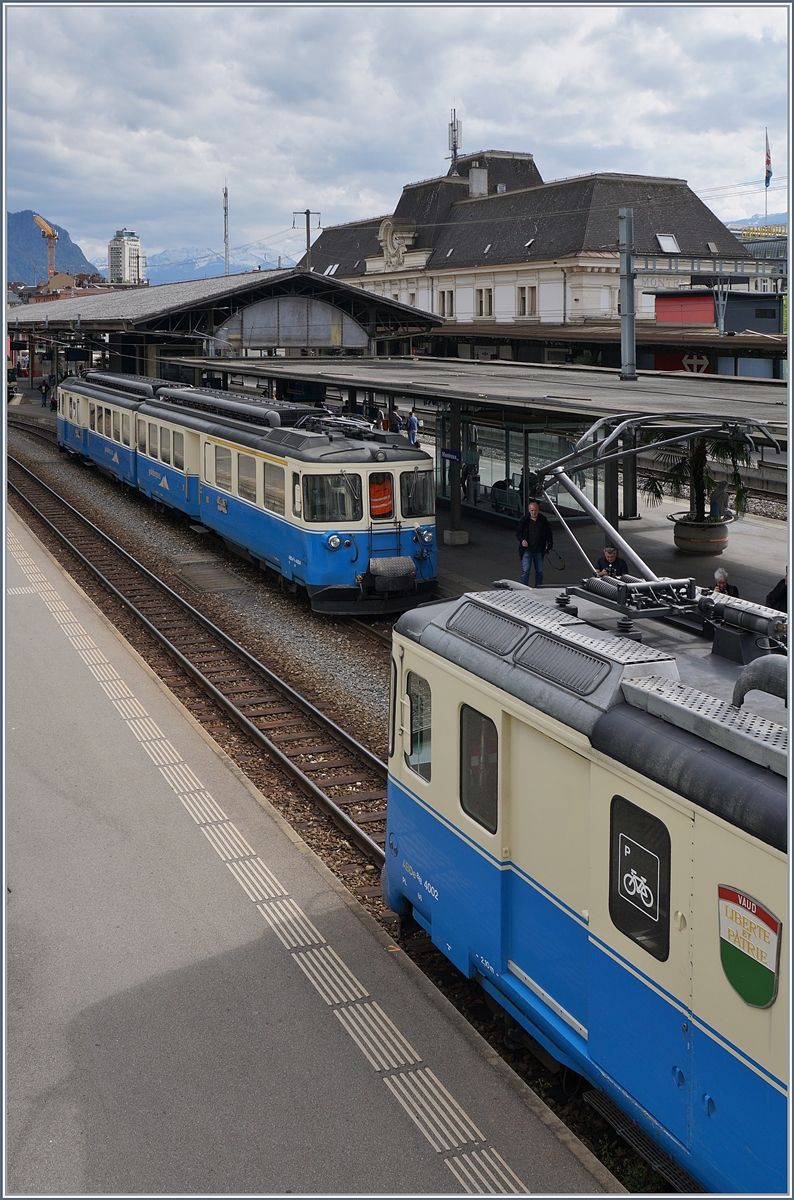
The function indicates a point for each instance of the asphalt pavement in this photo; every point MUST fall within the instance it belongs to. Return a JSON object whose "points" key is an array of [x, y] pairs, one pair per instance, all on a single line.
{"points": [[195, 1005]]}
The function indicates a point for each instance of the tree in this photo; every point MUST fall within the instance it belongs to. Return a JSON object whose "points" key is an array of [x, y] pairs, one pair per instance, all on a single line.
{"points": [[685, 469]]}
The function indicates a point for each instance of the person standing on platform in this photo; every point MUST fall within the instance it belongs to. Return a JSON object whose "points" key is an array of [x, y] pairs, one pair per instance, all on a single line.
{"points": [[396, 421], [471, 473], [412, 427], [44, 389], [534, 540], [718, 502]]}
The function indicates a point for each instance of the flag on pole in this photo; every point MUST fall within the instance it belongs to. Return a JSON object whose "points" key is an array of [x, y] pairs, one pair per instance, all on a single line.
{"points": [[768, 162]]}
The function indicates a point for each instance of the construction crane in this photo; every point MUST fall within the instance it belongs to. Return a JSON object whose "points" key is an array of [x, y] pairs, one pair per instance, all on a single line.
{"points": [[51, 235]]}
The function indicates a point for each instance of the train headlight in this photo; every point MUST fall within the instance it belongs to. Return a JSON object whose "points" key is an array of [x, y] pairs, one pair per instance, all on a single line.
{"points": [[334, 541], [427, 536]]}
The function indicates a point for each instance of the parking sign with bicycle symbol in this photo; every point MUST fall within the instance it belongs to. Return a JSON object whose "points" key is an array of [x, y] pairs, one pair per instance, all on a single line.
{"points": [[638, 877]]}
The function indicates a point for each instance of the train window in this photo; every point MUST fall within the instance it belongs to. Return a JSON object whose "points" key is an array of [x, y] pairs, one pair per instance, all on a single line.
{"points": [[274, 488], [152, 440], [125, 428], [296, 494], [208, 462], [332, 497], [417, 493], [108, 422], [92, 416], [479, 767], [246, 476], [142, 437], [639, 877], [165, 445], [419, 703], [116, 427], [223, 468], [381, 495], [179, 451]]}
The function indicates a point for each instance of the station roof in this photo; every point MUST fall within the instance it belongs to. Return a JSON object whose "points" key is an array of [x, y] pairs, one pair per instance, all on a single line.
{"points": [[670, 336], [531, 221], [570, 391], [198, 305]]}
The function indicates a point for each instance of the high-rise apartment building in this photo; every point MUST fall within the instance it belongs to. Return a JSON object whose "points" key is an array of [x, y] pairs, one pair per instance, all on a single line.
{"points": [[126, 260]]}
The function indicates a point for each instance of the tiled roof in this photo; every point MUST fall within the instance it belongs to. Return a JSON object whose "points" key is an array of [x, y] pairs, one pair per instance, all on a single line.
{"points": [[561, 219], [348, 246]]}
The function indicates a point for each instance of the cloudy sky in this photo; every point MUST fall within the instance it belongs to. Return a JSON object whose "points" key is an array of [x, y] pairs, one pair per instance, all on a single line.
{"points": [[122, 115]]}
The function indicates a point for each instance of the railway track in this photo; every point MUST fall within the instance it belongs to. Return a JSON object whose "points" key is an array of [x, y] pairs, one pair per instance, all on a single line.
{"points": [[333, 776], [379, 631], [344, 779]]}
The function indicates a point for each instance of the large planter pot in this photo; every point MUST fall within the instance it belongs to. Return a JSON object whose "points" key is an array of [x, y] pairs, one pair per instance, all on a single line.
{"points": [[700, 537]]}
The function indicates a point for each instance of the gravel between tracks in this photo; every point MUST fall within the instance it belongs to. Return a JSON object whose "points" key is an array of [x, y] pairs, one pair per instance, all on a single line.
{"points": [[343, 671]]}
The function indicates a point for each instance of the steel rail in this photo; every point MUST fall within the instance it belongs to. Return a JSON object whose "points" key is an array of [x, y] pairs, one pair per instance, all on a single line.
{"points": [[307, 785]]}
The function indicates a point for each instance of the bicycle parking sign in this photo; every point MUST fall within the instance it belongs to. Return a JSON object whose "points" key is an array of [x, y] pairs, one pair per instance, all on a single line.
{"points": [[638, 877]]}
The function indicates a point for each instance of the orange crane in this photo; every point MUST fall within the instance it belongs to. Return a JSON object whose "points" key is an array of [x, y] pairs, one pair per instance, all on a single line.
{"points": [[51, 235]]}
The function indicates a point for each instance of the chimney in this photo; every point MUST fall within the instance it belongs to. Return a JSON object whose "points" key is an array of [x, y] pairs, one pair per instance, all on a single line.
{"points": [[478, 180]]}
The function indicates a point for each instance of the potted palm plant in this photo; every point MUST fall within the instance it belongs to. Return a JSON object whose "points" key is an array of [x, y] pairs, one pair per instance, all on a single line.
{"points": [[685, 470]]}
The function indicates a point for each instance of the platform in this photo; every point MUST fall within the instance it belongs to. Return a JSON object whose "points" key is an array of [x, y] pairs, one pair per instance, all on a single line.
{"points": [[755, 559], [195, 1003]]}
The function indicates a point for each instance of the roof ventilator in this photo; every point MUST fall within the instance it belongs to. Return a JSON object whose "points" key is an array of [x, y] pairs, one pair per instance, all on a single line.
{"points": [[486, 628]]}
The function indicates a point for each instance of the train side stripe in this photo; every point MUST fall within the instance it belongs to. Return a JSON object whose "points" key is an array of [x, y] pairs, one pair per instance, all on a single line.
{"points": [[732, 1049]]}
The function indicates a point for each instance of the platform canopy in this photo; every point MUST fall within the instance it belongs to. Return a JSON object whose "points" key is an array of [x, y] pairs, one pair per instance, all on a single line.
{"points": [[255, 310], [527, 388]]}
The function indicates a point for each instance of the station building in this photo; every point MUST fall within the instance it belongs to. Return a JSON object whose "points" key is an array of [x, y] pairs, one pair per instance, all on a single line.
{"points": [[523, 270]]}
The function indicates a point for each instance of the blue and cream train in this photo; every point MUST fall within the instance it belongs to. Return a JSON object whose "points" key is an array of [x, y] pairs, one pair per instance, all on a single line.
{"points": [[589, 827], [331, 506]]}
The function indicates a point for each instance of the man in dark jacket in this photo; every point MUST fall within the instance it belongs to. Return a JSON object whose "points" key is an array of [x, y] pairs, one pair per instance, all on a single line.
{"points": [[534, 540]]}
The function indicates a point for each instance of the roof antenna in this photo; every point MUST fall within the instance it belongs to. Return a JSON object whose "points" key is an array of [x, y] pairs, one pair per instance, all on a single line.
{"points": [[455, 138], [225, 229]]}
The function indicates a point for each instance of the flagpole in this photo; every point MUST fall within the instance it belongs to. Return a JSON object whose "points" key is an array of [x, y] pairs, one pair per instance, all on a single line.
{"points": [[766, 172]]}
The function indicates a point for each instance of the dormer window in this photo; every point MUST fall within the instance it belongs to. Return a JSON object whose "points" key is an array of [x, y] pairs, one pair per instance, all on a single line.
{"points": [[450, 251], [334, 267], [712, 247], [668, 243], [529, 243], [487, 248], [501, 188]]}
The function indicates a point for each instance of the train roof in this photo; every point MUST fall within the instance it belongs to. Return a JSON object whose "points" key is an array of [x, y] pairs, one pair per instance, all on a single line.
{"points": [[106, 395], [142, 385], [663, 709], [303, 445], [233, 404]]}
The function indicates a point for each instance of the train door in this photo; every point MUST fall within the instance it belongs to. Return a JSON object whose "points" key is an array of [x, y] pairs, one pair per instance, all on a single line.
{"points": [[384, 529], [639, 962], [547, 884]]}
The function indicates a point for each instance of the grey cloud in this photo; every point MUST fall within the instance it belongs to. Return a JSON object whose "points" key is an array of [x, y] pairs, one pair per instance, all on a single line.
{"points": [[338, 107]]}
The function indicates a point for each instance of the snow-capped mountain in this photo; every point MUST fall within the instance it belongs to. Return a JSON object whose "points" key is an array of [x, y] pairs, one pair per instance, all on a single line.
{"points": [[760, 219], [190, 262]]}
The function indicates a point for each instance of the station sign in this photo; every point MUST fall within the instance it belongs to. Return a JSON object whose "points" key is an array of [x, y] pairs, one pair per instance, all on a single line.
{"points": [[451, 455]]}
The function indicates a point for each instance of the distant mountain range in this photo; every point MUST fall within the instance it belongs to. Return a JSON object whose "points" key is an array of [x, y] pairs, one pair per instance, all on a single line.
{"points": [[189, 262], [27, 250], [760, 219]]}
